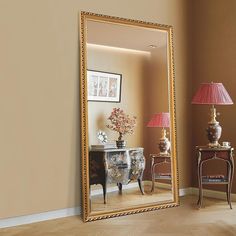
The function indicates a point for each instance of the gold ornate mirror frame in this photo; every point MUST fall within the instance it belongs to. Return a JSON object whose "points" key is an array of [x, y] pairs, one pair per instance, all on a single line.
{"points": [[84, 17]]}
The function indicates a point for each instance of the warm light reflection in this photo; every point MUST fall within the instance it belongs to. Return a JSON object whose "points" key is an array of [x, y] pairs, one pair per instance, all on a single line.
{"points": [[118, 48]]}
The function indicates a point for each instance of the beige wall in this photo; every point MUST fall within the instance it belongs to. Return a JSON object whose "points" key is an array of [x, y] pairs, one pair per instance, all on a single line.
{"points": [[157, 98], [39, 87], [132, 67], [214, 47]]}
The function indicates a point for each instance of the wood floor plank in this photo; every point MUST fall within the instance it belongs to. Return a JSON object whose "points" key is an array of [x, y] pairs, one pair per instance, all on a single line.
{"points": [[215, 218]]}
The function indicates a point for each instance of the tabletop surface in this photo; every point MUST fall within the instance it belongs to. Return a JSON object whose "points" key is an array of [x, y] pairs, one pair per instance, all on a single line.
{"points": [[160, 155], [221, 148]]}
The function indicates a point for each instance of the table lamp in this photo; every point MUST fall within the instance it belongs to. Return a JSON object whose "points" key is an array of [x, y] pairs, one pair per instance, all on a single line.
{"points": [[161, 120], [212, 94]]}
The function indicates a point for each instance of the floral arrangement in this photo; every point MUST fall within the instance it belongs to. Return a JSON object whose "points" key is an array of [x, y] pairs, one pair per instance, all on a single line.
{"points": [[121, 122]]}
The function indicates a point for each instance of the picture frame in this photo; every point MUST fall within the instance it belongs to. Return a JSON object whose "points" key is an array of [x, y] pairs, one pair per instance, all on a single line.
{"points": [[104, 86]]}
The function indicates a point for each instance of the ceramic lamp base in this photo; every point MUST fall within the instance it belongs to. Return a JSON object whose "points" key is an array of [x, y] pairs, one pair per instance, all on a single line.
{"points": [[164, 146], [214, 131]]}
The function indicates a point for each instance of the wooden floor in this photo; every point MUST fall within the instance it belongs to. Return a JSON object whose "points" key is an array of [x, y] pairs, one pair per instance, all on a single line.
{"points": [[215, 218]]}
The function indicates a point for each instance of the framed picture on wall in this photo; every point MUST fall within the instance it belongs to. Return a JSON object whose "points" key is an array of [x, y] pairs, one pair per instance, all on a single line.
{"points": [[103, 86]]}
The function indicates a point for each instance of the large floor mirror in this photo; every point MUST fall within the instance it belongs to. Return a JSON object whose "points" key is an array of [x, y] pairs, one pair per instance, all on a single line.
{"points": [[128, 123]]}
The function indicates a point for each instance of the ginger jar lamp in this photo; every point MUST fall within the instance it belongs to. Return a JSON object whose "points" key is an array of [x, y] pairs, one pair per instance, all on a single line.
{"points": [[162, 120], [212, 94]]}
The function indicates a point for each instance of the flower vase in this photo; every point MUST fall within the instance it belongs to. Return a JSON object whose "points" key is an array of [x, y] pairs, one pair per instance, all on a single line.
{"points": [[120, 143]]}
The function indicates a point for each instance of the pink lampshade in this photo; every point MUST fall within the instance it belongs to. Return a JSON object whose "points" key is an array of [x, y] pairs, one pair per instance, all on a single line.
{"points": [[160, 120], [212, 94]]}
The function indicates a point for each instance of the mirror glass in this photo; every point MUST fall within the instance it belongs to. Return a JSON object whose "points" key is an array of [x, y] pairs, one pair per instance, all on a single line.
{"points": [[130, 116]]}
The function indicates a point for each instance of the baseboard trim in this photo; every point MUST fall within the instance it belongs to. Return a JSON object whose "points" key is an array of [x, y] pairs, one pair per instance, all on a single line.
{"points": [[158, 184], [50, 215], [185, 192], [213, 194]]}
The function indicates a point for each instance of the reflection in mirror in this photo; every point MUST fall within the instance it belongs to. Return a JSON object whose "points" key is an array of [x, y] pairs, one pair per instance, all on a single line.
{"points": [[128, 63]]}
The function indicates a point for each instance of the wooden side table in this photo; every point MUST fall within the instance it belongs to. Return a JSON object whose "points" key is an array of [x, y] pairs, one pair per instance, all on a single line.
{"points": [[157, 160], [206, 154]]}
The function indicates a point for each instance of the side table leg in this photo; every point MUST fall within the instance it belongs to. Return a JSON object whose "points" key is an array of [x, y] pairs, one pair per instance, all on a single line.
{"points": [[231, 174], [228, 179], [200, 186], [140, 185], [104, 193], [227, 192], [120, 187], [153, 179], [199, 191], [228, 195]]}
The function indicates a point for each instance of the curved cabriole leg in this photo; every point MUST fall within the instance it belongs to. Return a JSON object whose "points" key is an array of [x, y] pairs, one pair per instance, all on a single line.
{"points": [[229, 180], [120, 187], [227, 192], [104, 193], [231, 174], [140, 185], [153, 178], [200, 186]]}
